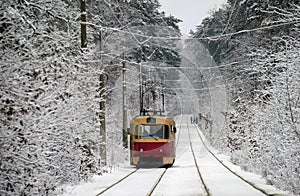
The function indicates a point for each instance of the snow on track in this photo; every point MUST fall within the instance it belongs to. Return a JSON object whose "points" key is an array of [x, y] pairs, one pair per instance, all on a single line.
{"points": [[140, 183], [197, 171], [182, 178], [219, 180]]}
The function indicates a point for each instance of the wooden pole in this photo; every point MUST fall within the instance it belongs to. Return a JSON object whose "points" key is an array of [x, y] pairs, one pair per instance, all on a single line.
{"points": [[102, 106], [125, 143], [83, 24]]}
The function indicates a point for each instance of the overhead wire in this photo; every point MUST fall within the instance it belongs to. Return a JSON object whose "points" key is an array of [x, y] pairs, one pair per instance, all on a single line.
{"points": [[225, 28], [215, 37]]}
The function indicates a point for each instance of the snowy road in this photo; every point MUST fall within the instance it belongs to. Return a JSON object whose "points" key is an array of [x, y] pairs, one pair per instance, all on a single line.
{"points": [[196, 172]]}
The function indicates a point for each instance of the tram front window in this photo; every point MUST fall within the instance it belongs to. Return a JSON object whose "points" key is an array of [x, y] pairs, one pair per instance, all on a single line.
{"points": [[152, 131]]}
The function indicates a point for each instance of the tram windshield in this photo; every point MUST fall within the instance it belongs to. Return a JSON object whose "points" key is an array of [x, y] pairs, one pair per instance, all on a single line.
{"points": [[154, 131]]}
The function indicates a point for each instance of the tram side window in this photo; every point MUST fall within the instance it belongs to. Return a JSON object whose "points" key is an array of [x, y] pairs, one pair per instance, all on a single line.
{"points": [[136, 132], [167, 132]]}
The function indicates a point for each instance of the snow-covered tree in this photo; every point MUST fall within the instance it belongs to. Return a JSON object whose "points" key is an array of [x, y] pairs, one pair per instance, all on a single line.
{"points": [[48, 99], [261, 71]]}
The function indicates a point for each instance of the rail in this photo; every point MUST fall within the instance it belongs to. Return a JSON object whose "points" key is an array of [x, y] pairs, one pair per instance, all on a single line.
{"points": [[230, 170], [196, 164], [122, 179]]}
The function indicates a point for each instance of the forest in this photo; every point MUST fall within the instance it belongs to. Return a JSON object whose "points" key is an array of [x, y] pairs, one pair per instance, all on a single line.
{"points": [[256, 45], [61, 92]]}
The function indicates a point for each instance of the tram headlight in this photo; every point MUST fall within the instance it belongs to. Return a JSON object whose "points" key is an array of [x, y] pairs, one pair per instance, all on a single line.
{"points": [[141, 150], [161, 150]]}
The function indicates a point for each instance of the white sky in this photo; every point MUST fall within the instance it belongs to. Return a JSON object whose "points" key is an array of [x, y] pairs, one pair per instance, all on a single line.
{"points": [[192, 12]]}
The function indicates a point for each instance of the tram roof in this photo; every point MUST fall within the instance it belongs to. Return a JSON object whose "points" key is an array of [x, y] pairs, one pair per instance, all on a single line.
{"points": [[149, 119]]}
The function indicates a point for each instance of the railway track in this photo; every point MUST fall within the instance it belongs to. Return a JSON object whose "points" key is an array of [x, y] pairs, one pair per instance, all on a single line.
{"points": [[208, 193], [147, 188], [225, 166], [206, 184], [156, 184], [116, 183], [197, 171]]}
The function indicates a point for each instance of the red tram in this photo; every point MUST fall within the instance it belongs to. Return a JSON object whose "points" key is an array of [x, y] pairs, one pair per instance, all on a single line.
{"points": [[152, 141]]}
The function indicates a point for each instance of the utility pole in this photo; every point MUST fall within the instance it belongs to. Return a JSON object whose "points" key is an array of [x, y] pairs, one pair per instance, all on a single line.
{"points": [[124, 129], [141, 90], [102, 104], [162, 86], [83, 24]]}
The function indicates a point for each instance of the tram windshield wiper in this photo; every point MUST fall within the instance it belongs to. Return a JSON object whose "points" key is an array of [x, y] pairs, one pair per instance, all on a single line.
{"points": [[153, 136]]}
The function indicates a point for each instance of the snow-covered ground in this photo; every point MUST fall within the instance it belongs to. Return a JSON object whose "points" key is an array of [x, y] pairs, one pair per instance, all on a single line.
{"points": [[183, 178]]}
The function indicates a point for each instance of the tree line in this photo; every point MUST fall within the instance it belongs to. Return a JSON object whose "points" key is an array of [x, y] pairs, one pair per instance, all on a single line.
{"points": [[50, 87], [256, 44]]}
